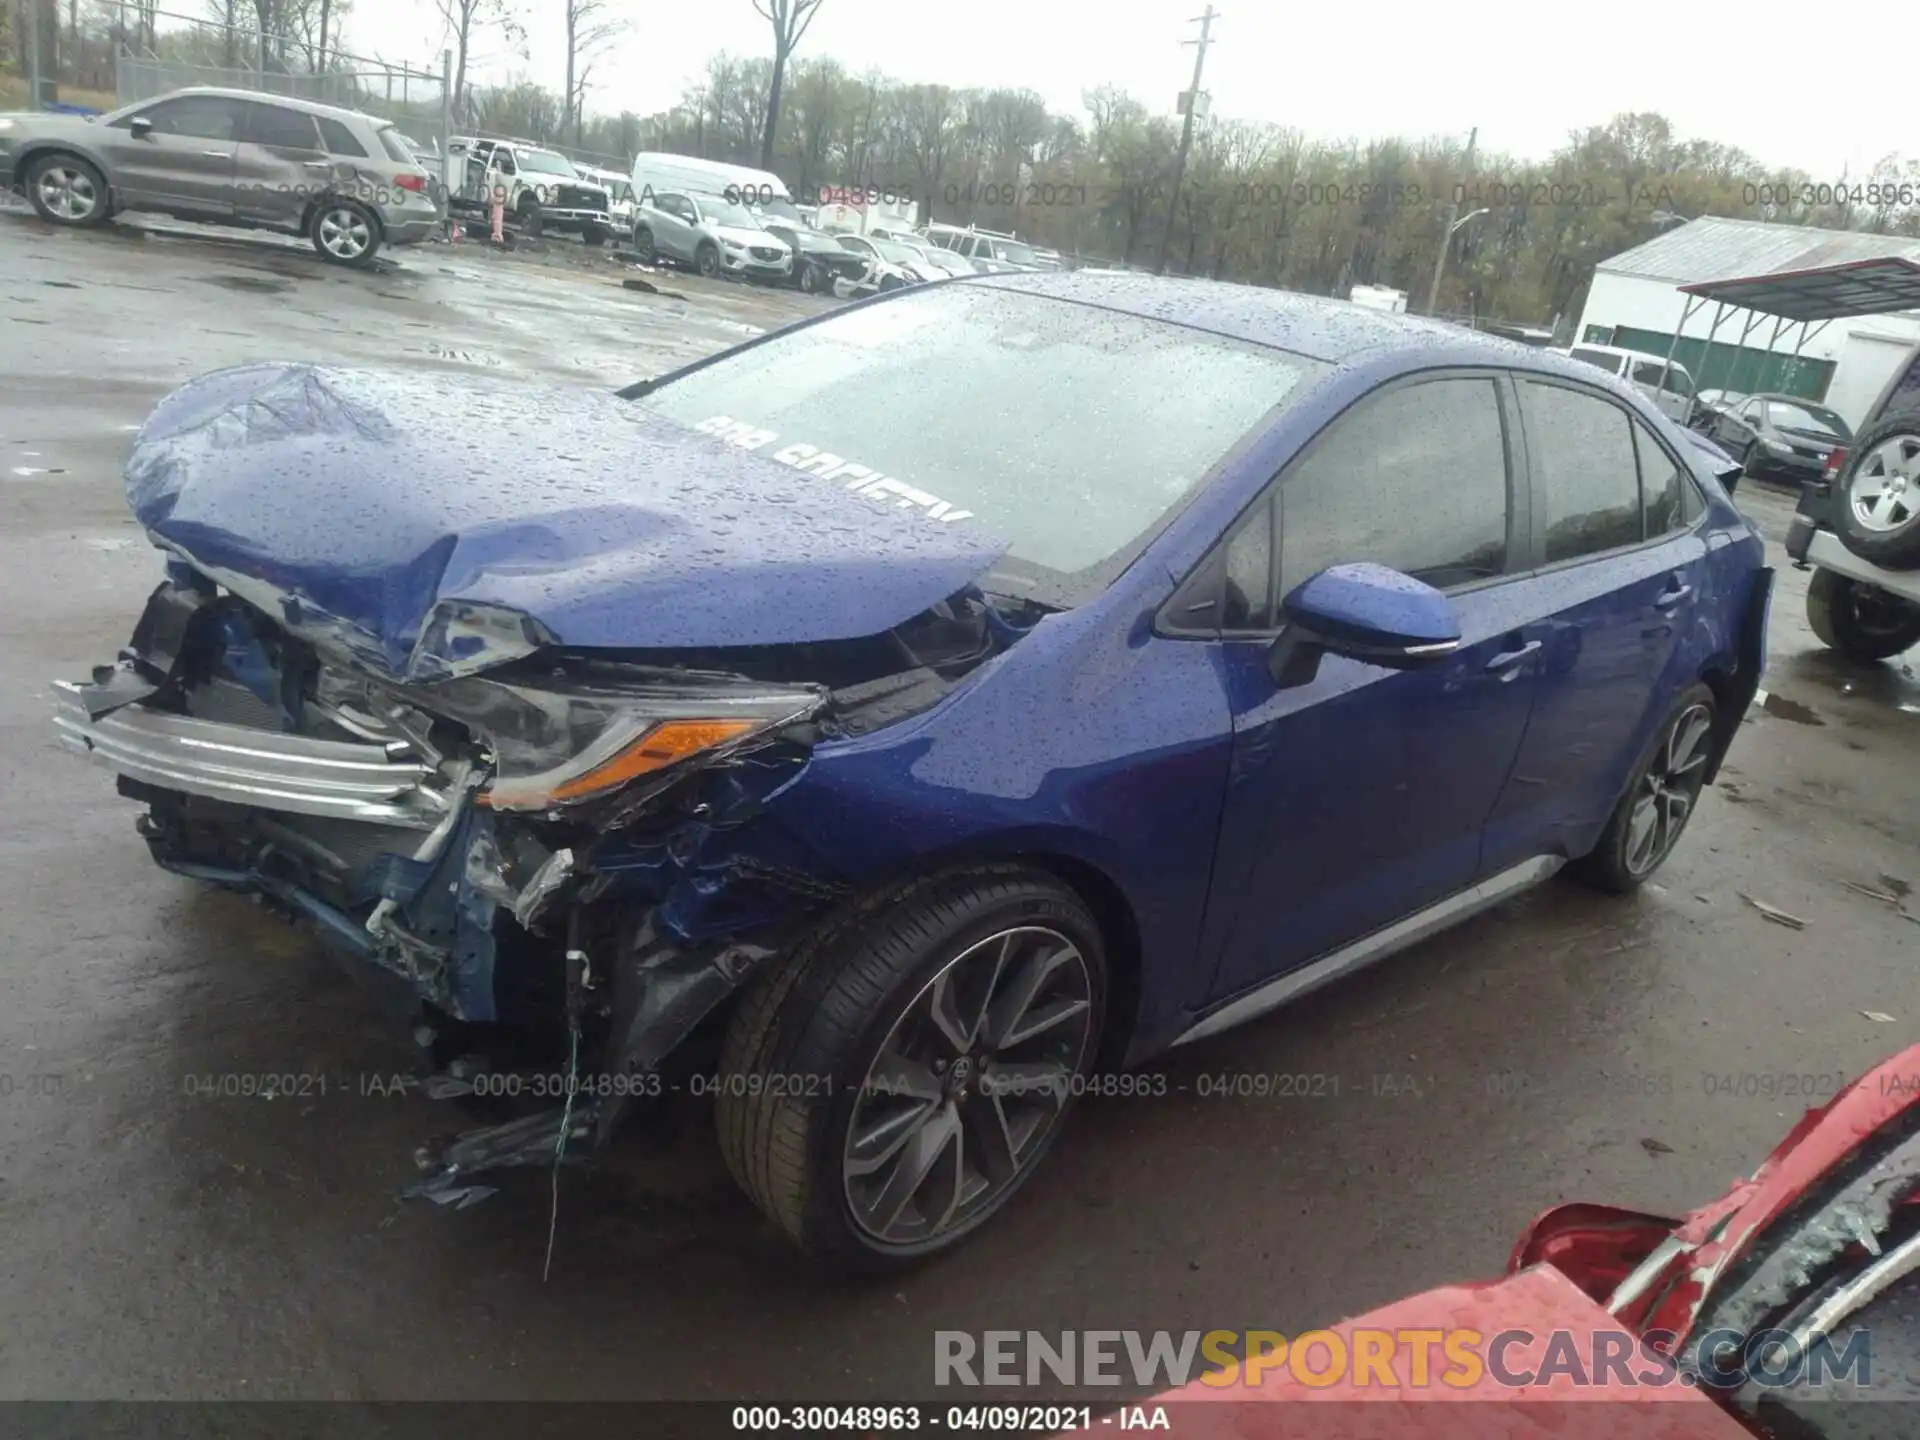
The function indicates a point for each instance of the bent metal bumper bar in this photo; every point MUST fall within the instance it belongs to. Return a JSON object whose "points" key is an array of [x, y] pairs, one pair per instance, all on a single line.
{"points": [[269, 770]]}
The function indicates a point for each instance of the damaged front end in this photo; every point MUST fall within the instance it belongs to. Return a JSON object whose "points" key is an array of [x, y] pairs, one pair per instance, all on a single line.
{"points": [[572, 849]]}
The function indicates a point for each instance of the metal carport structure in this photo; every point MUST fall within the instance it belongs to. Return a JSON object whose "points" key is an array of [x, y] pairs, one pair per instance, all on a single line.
{"points": [[1878, 286]]}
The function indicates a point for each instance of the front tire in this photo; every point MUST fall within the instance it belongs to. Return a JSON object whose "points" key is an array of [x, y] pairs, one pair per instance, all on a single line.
{"points": [[1667, 780], [812, 281], [707, 260], [889, 1087], [66, 190], [344, 231], [643, 245], [1862, 622]]}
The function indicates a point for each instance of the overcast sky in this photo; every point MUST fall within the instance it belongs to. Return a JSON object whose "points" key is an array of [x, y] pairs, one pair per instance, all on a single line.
{"points": [[1525, 71]]}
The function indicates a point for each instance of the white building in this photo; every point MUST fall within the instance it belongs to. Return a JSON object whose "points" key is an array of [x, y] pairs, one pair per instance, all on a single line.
{"points": [[1635, 302]]}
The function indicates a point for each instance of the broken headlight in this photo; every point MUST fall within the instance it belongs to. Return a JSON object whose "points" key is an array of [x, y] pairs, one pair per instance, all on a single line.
{"points": [[572, 741]]}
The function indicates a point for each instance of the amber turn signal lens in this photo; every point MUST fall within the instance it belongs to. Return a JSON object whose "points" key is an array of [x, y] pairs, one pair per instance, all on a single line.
{"points": [[665, 744]]}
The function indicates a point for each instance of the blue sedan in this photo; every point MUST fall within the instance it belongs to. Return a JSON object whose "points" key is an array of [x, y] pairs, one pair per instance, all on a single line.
{"points": [[941, 705]]}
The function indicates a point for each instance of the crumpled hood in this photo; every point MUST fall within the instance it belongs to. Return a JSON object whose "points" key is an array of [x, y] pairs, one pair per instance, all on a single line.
{"points": [[368, 509]]}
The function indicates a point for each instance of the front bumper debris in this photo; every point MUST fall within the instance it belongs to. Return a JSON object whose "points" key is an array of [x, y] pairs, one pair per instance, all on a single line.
{"points": [[381, 784]]}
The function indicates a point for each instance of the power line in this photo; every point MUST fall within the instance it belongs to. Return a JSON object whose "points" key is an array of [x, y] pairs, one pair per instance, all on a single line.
{"points": [[1205, 22]]}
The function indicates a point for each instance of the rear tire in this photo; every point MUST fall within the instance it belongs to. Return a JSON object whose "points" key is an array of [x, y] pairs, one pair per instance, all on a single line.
{"points": [[1877, 509], [66, 190], [344, 231], [1665, 791], [882, 1049], [1860, 621]]}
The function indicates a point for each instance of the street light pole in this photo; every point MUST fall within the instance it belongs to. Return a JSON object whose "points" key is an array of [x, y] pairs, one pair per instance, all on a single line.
{"points": [[1446, 240], [1186, 131]]}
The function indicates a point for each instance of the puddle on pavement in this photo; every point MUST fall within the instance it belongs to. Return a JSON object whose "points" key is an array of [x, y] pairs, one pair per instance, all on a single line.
{"points": [[252, 284], [1793, 710]]}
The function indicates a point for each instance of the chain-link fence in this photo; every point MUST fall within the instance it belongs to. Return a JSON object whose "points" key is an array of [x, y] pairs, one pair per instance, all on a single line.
{"points": [[170, 52]]}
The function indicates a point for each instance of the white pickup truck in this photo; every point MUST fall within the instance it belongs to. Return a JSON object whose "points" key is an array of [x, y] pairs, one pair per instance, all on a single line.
{"points": [[1858, 529], [540, 188]]}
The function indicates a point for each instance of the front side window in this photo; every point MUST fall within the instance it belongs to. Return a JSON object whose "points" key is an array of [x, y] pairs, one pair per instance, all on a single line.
{"points": [[202, 117], [1414, 479], [545, 162], [1586, 472], [1098, 427]]}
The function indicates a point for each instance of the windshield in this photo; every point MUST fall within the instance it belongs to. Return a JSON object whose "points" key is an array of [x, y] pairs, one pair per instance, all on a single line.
{"points": [[1785, 415], [724, 212], [545, 162], [1014, 253], [781, 210], [1119, 418], [899, 254]]}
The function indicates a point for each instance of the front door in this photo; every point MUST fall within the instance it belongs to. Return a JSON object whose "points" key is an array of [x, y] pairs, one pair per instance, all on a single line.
{"points": [[1361, 796], [1621, 570], [185, 161]]}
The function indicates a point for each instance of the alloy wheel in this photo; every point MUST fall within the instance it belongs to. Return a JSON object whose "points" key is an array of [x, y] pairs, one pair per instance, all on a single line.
{"points": [[1669, 789], [966, 1087], [1884, 490], [344, 233], [67, 191]]}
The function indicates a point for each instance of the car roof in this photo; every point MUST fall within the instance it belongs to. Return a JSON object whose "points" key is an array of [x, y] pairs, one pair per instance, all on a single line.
{"points": [[292, 102], [1311, 325]]}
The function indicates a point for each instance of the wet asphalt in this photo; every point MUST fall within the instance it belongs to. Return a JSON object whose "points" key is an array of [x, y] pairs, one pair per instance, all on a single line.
{"points": [[160, 1242]]}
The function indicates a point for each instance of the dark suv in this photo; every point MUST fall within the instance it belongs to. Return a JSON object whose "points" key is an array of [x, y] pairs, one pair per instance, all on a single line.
{"points": [[1858, 528]]}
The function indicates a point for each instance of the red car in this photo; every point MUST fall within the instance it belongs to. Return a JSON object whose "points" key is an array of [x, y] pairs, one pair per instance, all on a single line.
{"points": [[1788, 1308]]}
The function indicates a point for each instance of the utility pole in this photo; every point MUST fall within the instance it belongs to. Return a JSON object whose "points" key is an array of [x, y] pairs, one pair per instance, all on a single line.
{"points": [[1446, 239], [1205, 22]]}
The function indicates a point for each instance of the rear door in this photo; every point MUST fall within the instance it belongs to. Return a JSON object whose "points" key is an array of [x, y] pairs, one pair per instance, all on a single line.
{"points": [[185, 162], [1620, 568], [1361, 796], [279, 165]]}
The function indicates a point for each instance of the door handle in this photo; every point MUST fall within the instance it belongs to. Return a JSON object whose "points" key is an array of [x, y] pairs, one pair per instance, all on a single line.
{"points": [[217, 154], [1667, 599], [316, 164], [1509, 660]]}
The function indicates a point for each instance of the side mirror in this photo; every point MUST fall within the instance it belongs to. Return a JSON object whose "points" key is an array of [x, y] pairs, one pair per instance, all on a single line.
{"points": [[1365, 612], [140, 127]]}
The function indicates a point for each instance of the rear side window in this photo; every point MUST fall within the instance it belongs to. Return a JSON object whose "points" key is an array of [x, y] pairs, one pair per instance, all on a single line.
{"points": [[340, 140], [1415, 479], [1586, 472], [395, 144], [1663, 487], [287, 129]]}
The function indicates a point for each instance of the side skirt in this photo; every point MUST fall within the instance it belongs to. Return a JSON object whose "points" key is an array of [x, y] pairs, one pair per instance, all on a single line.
{"points": [[1377, 946]]}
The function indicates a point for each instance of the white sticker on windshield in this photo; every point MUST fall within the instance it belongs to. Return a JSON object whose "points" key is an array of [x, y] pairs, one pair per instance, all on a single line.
{"points": [[862, 479]]}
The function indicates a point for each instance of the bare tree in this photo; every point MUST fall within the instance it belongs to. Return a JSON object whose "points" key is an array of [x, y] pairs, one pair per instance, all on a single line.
{"points": [[790, 19], [464, 18], [590, 29]]}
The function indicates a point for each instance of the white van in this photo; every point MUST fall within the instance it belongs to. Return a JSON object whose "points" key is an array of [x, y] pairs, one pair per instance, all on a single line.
{"points": [[657, 172], [1665, 383]]}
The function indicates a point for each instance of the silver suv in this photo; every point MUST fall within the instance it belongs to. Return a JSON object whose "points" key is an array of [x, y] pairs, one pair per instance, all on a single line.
{"points": [[714, 235], [347, 181]]}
